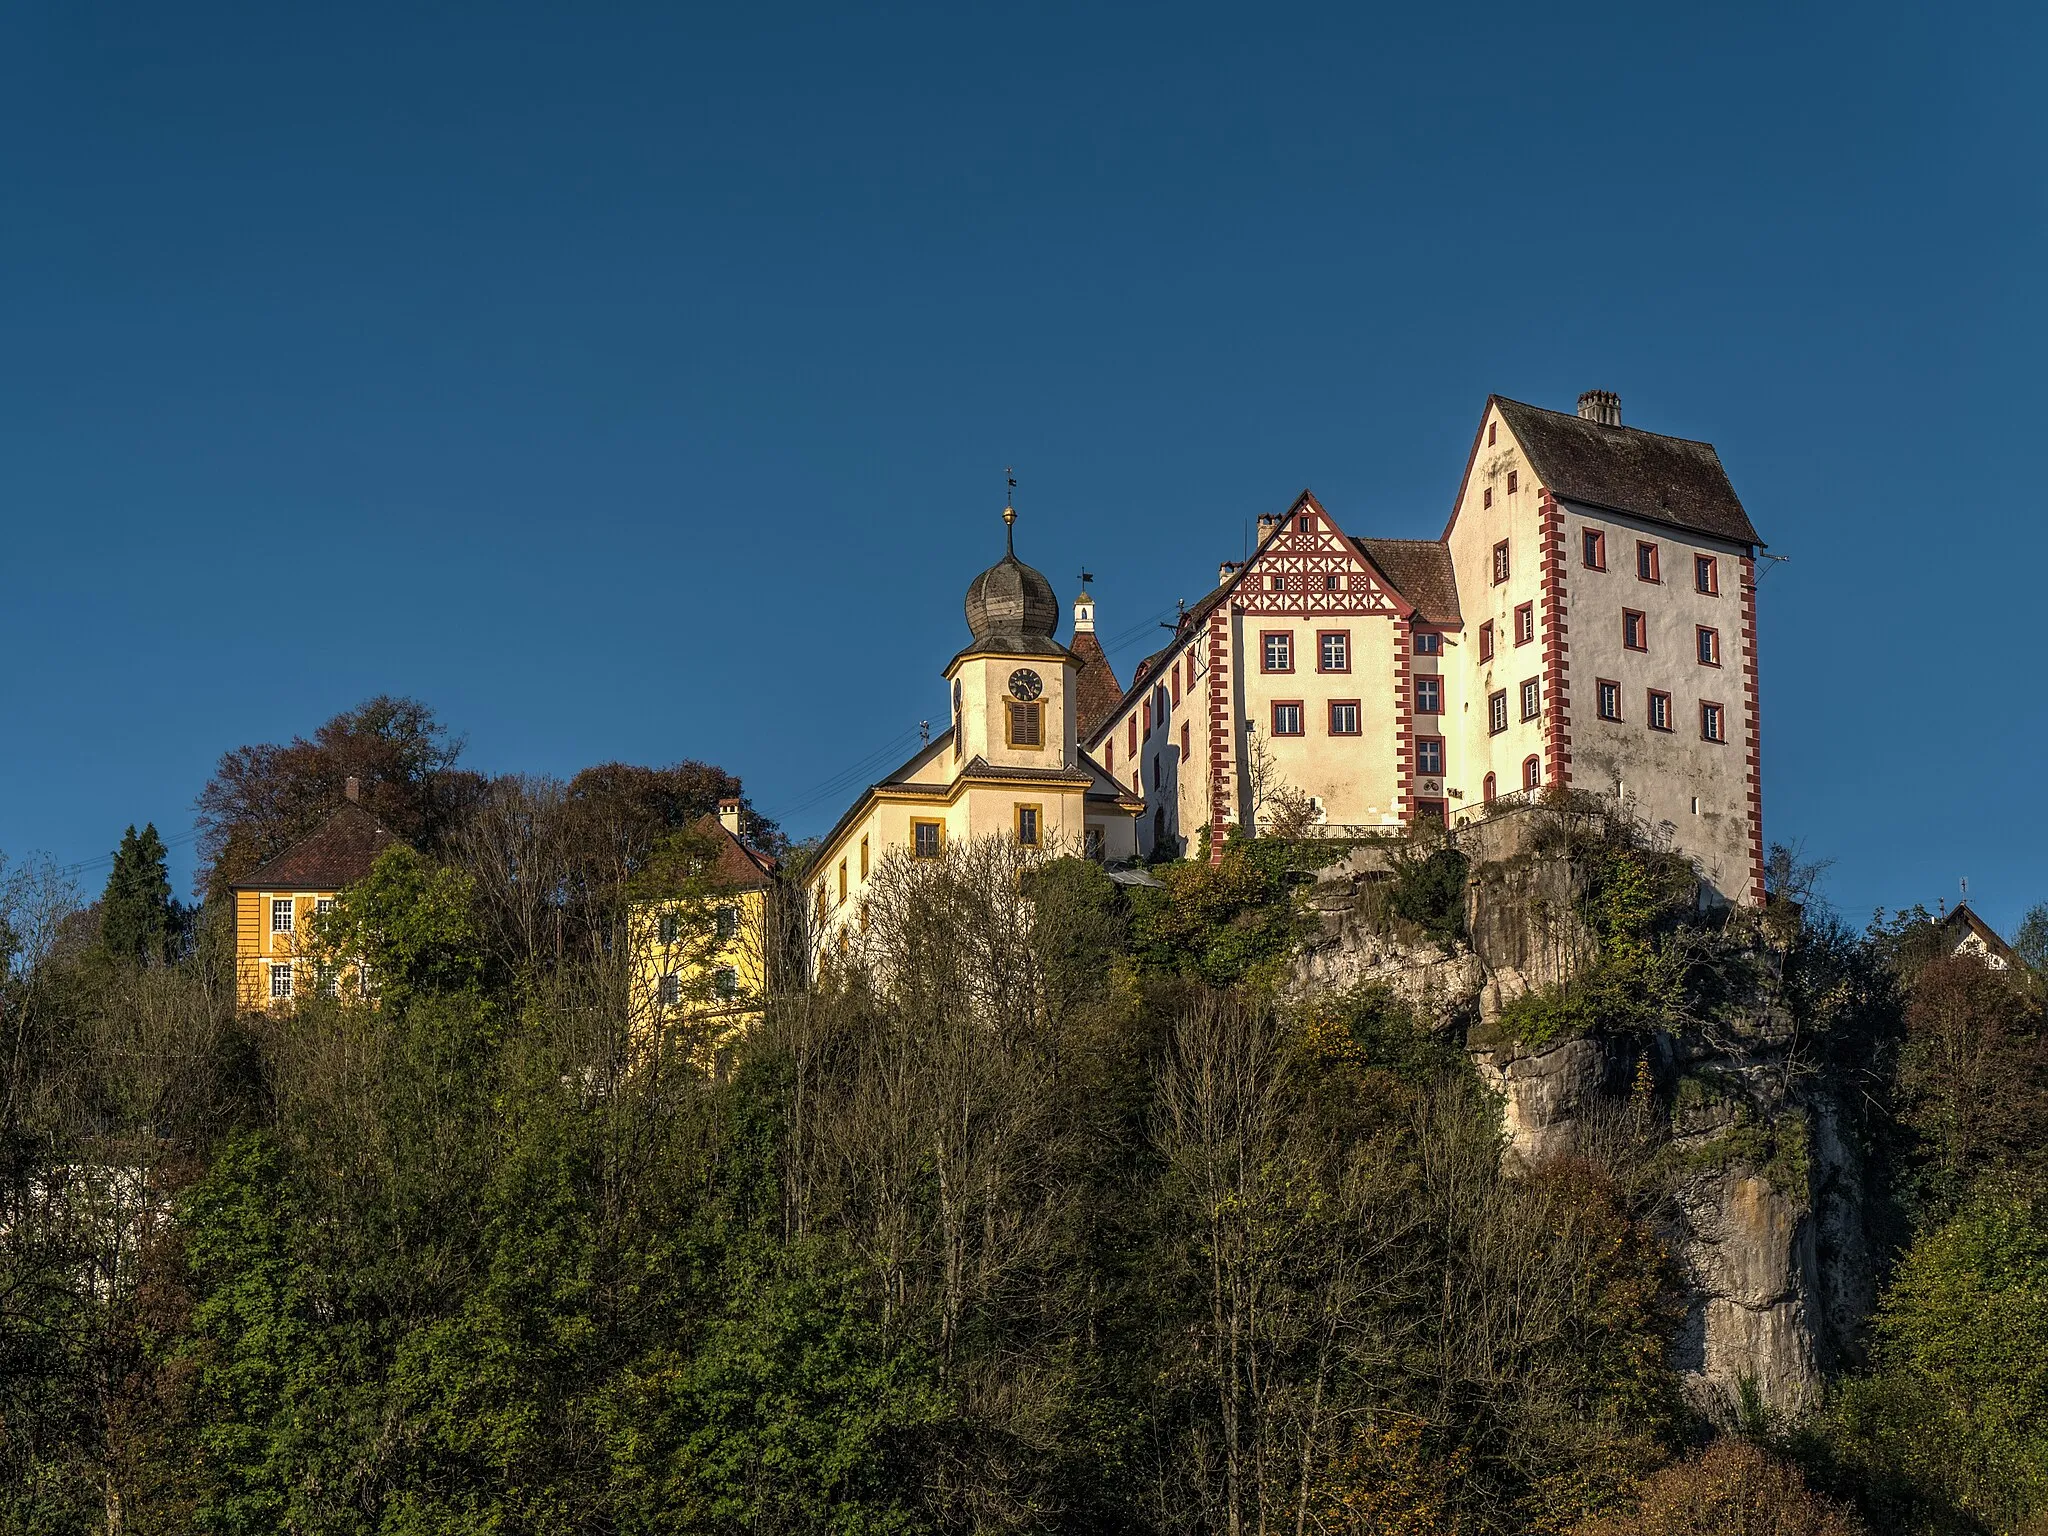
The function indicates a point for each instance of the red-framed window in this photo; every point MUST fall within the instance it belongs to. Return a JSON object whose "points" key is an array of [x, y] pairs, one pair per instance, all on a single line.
{"points": [[1176, 685], [1276, 650], [1305, 523], [1514, 482], [1486, 641], [1148, 717], [1491, 428], [1428, 643], [1497, 711], [1660, 710], [1607, 698], [1532, 773], [1109, 755], [1707, 645], [1429, 756], [1500, 562], [1532, 698], [1525, 623], [1713, 721], [1333, 650], [1489, 789], [1184, 750], [1429, 695], [1593, 549], [1646, 561], [1706, 575], [1287, 716], [1344, 717], [1134, 735], [1635, 630], [1486, 497]]}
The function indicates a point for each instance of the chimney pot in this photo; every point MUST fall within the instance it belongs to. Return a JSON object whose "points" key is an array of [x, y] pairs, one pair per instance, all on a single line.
{"points": [[1268, 521], [353, 788], [1602, 406], [729, 815], [1225, 571]]}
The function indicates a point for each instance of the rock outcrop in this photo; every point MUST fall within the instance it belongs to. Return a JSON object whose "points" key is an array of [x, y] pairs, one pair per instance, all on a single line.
{"points": [[1762, 1196]]}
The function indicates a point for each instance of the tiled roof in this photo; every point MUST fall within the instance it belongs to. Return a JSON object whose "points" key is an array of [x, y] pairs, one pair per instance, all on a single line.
{"points": [[739, 867], [1096, 690], [1623, 469], [1420, 570], [335, 854]]}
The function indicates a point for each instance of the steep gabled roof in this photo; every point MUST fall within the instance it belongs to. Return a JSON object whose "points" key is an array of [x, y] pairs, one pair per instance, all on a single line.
{"points": [[737, 866], [1420, 570], [1096, 690], [1963, 922], [1625, 469], [335, 854]]}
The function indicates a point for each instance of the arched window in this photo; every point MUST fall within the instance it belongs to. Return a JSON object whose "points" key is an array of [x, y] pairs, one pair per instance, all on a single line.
{"points": [[1487, 788], [1532, 773]]}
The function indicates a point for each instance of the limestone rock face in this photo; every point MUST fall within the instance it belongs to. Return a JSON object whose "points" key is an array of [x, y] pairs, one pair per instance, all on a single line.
{"points": [[1547, 1095], [1765, 1199], [1747, 1253]]}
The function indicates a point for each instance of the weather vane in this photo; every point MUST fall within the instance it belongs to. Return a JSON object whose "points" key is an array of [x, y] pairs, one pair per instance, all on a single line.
{"points": [[1086, 577]]}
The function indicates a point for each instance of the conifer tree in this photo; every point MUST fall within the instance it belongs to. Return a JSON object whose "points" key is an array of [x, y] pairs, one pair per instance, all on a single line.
{"points": [[138, 919]]}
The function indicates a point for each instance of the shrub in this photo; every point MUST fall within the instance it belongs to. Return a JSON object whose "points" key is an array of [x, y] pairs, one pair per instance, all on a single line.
{"points": [[1732, 1488]]}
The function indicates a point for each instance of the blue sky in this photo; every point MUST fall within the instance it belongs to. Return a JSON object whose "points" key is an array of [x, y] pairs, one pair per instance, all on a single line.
{"points": [[637, 383]]}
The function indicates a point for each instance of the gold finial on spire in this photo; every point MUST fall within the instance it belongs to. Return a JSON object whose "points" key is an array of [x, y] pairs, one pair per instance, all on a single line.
{"points": [[1010, 512]]}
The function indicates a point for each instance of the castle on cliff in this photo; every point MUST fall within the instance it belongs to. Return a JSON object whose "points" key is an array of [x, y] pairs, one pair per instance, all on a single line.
{"points": [[1587, 621]]}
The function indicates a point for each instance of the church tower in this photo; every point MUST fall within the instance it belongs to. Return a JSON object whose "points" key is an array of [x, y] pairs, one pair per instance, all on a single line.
{"points": [[1013, 694]]}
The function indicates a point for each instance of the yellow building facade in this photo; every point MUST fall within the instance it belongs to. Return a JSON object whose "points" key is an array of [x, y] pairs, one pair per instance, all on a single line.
{"points": [[703, 960], [1010, 764], [277, 905]]}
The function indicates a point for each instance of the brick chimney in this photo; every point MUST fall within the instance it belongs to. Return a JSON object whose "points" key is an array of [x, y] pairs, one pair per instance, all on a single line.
{"points": [[1268, 521], [729, 816], [1601, 405], [353, 789]]}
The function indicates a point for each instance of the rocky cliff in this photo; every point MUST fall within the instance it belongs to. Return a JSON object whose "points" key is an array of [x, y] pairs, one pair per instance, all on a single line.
{"points": [[1741, 1158]]}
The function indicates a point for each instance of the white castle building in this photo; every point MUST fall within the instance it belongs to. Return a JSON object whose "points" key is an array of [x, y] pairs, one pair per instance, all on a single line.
{"points": [[1586, 622]]}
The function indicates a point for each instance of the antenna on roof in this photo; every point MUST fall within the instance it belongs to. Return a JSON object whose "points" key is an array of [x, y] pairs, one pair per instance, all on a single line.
{"points": [[1966, 889], [924, 732]]}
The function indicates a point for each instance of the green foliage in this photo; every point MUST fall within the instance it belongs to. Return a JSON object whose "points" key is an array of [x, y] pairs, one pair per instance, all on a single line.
{"points": [[1635, 981], [2030, 941], [789, 1412], [138, 918], [1950, 1431], [1223, 924], [1429, 891], [414, 922]]}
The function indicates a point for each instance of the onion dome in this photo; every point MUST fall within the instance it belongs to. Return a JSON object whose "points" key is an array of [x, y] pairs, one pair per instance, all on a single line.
{"points": [[1010, 599]]}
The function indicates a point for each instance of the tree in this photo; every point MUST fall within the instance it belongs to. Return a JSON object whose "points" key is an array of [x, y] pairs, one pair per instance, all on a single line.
{"points": [[1973, 1073], [263, 798], [413, 924], [1950, 1430], [138, 917], [2031, 941]]}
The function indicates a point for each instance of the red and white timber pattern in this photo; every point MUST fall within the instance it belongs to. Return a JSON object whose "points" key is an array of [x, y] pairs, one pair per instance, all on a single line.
{"points": [[1557, 740], [1753, 733], [1221, 734]]}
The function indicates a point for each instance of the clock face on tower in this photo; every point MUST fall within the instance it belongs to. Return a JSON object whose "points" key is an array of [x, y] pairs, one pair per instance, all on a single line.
{"points": [[1024, 684]]}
